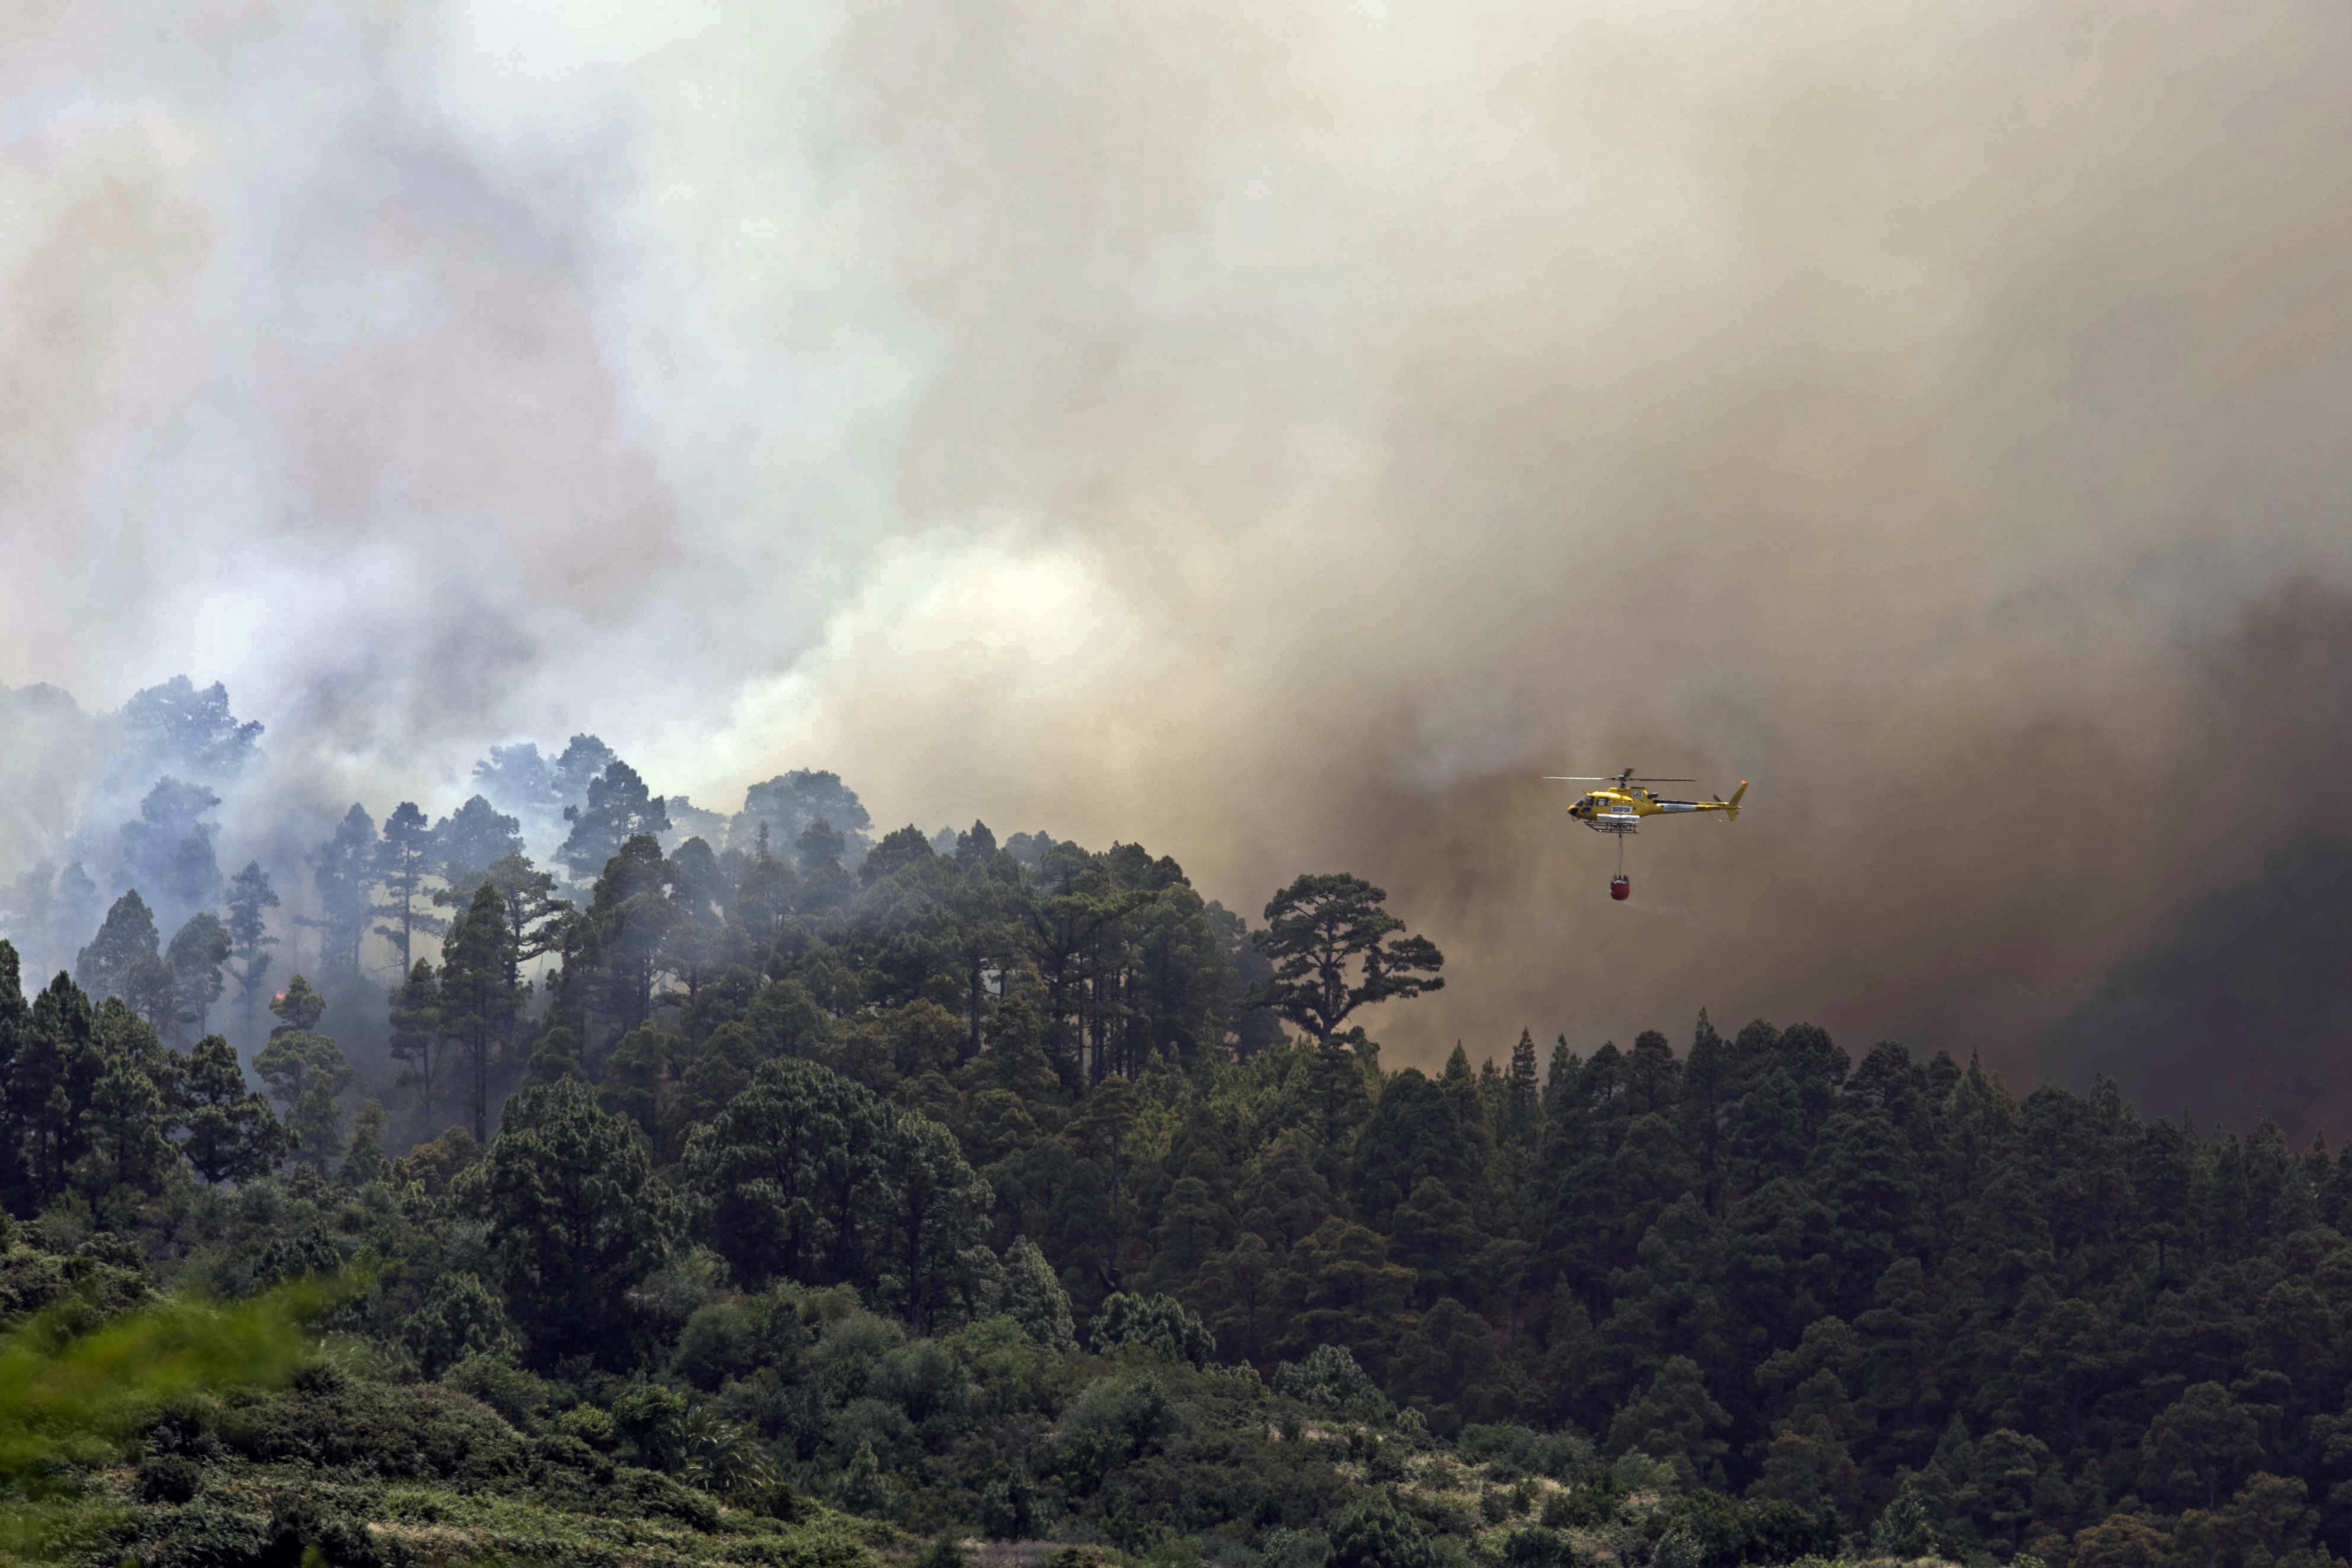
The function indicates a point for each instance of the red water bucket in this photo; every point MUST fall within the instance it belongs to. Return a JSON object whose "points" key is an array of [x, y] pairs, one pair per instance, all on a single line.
{"points": [[1621, 886]]}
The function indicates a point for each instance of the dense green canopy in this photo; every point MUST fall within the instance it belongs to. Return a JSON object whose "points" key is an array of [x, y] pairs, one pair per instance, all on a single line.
{"points": [[976, 1186]]}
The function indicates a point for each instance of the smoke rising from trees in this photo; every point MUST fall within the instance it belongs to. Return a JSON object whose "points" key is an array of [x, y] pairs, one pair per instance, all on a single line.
{"points": [[1274, 434]]}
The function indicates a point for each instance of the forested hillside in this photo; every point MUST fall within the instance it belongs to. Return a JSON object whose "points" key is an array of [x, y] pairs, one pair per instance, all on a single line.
{"points": [[1014, 1190]]}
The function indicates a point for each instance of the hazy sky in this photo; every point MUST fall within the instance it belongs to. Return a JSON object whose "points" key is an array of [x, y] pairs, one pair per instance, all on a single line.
{"points": [[1277, 432]]}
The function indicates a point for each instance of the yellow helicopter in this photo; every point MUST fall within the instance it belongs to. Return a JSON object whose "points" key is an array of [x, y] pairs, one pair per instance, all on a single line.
{"points": [[1617, 810]]}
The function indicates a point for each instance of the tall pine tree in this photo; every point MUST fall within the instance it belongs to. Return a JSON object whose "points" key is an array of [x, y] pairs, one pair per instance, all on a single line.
{"points": [[198, 950], [403, 858], [251, 898], [104, 969], [479, 995], [342, 874]]}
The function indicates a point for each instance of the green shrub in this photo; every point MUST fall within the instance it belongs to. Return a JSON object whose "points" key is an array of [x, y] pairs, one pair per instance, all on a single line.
{"points": [[561, 1448], [1008, 1507], [1781, 1531], [415, 1432], [1295, 1549], [1329, 1381], [1635, 1471], [300, 1527], [650, 1493], [1537, 1547], [292, 1257], [185, 1425], [590, 1426], [319, 1378], [29, 1280], [863, 1488], [1678, 1549], [1158, 1326], [1726, 1532], [168, 1478], [461, 1317], [299, 1531], [1585, 1508], [1373, 1532], [720, 1341], [778, 1501], [520, 1397], [649, 1415], [204, 1534]]}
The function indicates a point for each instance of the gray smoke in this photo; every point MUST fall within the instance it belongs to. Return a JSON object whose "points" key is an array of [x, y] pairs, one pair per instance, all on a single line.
{"points": [[1274, 433]]}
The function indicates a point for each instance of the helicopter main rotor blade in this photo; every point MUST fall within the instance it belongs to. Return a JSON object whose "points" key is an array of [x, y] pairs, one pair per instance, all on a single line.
{"points": [[1580, 778]]}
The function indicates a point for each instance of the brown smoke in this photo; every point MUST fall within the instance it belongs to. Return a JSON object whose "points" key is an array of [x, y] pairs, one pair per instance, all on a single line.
{"points": [[1279, 433], [1930, 418]]}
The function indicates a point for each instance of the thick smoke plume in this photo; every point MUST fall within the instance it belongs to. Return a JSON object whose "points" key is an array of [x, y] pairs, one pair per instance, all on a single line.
{"points": [[1278, 433]]}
